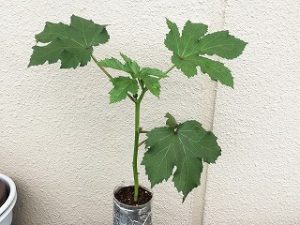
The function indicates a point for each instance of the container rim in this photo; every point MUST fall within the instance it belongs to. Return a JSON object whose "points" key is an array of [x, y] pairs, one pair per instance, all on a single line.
{"points": [[9, 210], [12, 192], [131, 207]]}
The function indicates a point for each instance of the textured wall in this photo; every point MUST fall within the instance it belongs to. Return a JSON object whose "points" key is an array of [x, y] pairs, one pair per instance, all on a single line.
{"points": [[67, 148], [61, 141], [257, 179]]}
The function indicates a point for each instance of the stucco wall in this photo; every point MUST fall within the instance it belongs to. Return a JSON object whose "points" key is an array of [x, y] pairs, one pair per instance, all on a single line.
{"points": [[67, 148], [257, 179]]}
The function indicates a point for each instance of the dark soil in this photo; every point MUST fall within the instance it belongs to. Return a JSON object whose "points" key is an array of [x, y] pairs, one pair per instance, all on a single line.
{"points": [[3, 193], [126, 196]]}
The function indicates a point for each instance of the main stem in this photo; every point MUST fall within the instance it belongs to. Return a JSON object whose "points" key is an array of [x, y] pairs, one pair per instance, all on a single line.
{"points": [[135, 153], [137, 132], [136, 144]]}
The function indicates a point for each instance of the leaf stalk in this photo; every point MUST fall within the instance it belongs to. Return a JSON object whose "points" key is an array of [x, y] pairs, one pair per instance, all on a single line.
{"points": [[142, 142], [170, 69]]}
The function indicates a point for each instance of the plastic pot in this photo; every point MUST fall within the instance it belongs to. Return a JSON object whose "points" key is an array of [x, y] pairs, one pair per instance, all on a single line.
{"points": [[6, 210], [124, 214]]}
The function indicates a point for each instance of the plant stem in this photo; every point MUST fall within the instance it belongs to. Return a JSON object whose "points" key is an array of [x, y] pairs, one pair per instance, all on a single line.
{"points": [[144, 131], [142, 142], [102, 68], [137, 132], [110, 77], [135, 152], [168, 71], [171, 68], [136, 144]]}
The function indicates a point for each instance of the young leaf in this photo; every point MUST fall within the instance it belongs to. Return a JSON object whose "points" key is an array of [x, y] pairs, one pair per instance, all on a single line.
{"points": [[184, 148], [153, 72], [171, 121], [152, 84], [71, 44], [188, 48], [151, 77], [114, 64], [122, 85], [222, 44], [131, 65]]}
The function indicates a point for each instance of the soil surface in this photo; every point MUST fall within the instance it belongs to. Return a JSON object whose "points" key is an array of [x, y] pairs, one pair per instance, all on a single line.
{"points": [[126, 196], [3, 193]]}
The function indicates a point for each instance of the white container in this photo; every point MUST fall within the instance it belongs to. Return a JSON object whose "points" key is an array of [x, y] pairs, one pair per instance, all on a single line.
{"points": [[6, 210]]}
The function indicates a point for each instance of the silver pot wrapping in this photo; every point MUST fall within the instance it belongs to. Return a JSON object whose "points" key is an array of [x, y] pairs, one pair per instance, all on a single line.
{"points": [[131, 215]]}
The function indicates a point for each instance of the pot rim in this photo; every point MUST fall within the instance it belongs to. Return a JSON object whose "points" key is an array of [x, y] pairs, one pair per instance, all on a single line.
{"points": [[133, 207], [12, 193], [6, 213]]}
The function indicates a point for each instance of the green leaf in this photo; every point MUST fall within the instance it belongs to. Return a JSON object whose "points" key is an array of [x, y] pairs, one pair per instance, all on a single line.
{"points": [[53, 31], [186, 46], [87, 32], [148, 75], [191, 34], [71, 44], [153, 72], [129, 66], [187, 65], [151, 77], [222, 44], [132, 65], [172, 40], [122, 85], [114, 64], [185, 148], [152, 84], [171, 121], [189, 47], [216, 71]]}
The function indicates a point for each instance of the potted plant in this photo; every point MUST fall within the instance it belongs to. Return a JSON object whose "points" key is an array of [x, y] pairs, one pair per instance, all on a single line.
{"points": [[177, 149], [8, 199]]}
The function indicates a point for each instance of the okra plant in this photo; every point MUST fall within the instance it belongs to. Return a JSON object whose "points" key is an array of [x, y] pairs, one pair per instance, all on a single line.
{"points": [[184, 146]]}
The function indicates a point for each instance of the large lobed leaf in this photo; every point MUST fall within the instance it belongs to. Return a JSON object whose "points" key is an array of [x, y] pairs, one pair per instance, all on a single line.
{"points": [[71, 44], [189, 48], [184, 147]]}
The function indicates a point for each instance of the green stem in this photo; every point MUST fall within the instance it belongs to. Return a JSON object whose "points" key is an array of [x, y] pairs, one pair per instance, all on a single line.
{"points": [[136, 144], [102, 68], [142, 142], [135, 153], [168, 70], [137, 132], [171, 68], [144, 131]]}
